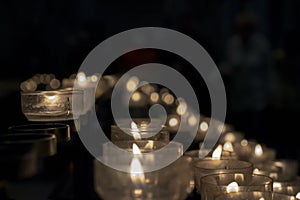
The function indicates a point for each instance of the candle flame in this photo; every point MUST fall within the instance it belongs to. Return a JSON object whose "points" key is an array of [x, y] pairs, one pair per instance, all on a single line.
{"points": [[298, 195], [132, 83], [136, 149], [216, 155], [256, 170], [232, 187], [228, 146], [258, 150], [149, 145], [136, 171], [135, 131], [182, 107]]}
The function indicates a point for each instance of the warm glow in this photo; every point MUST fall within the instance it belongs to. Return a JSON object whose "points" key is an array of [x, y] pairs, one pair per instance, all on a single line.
{"points": [[244, 142], [216, 155], [154, 97], [94, 78], [132, 84], [136, 171], [261, 198], [255, 171], [182, 108], [135, 131], [258, 150], [232, 187], [229, 137], [149, 145], [192, 120], [228, 147], [136, 149], [203, 126], [168, 99], [298, 195], [173, 122], [276, 185], [81, 79], [136, 96], [52, 98]]}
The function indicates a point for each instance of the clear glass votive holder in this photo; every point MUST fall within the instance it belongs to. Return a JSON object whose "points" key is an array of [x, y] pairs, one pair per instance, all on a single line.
{"points": [[255, 195], [214, 185], [288, 187], [280, 170], [52, 105], [141, 131], [207, 167], [175, 181]]}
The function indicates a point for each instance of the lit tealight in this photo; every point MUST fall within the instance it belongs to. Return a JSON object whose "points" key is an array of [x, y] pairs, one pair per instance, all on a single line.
{"points": [[203, 126], [258, 150], [173, 122], [136, 96], [168, 99], [298, 195], [132, 84], [192, 120], [182, 107], [154, 97], [244, 142], [216, 155], [276, 185], [232, 187], [228, 147]]}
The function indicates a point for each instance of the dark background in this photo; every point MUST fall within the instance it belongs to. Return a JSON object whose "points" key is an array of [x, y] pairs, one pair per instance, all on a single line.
{"points": [[53, 36]]}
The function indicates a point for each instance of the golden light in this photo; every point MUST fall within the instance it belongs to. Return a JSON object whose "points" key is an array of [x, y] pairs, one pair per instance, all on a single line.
{"points": [[136, 96], [135, 131], [81, 79], [232, 187], [256, 171], [258, 150], [244, 142], [203, 126], [149, 144], [132, 83], [216, 155], [51, 100], [137, 176], [168, 99], [94, 78], [228, 147], [154, 97], [136, 150], [181, 108], [173, 122], [298, 195], [276, 185], [192, 120], [229, 137]]}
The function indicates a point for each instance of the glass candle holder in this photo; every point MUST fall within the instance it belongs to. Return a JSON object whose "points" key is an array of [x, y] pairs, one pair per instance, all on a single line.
{"points": [[56, 105], [162, 184], [288, 187], [140, 128], [254, 152], [113, 156], [60, 130], [280, 169], [207, 167], [255, 195], [214, 185]]}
